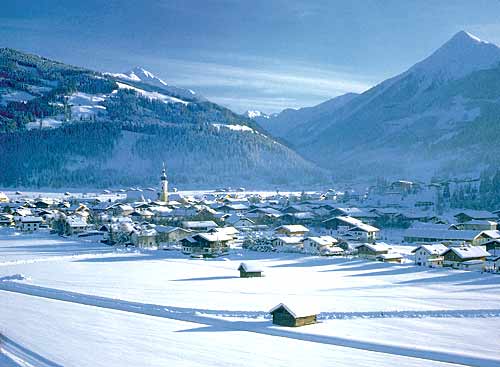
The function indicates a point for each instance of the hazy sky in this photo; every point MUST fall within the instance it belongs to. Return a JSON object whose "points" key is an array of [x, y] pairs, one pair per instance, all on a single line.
{"points": [[254, 54]]}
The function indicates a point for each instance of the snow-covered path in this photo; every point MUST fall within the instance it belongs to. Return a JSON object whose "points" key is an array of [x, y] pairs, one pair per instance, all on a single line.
{"points": [[200, 316]]}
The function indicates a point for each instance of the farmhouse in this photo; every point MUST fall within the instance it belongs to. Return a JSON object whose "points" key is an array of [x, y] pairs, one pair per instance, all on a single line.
{"points": [[144, 238], [29, 223], [249, 271], [372, 250], [293, 316], [206, 244], [363, 232], [285, 244], [319, 245], [168, 236], [430, 256], [454, 256], [75, 224]]}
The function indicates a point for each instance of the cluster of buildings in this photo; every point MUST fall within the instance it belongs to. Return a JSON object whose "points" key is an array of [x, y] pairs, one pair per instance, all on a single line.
{"points": [[330, 223]]}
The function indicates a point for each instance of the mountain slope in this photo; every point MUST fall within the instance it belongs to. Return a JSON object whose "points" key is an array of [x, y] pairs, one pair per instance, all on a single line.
{"points": [[280, 124], [110, 131], [398, 127]]}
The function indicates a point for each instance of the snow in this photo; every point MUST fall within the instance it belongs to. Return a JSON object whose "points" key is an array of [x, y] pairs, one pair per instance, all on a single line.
{"points": [[82, 303], [151, 95], [234, 127], [253, 114]]}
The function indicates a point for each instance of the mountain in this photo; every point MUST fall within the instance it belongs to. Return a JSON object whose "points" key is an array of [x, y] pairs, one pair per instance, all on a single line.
{"points": [[280, 124], [65, 126], [436, 119], [141, 75]]}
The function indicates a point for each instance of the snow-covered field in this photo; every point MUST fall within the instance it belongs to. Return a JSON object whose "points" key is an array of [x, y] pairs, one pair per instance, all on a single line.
{"points": [[66, 302]]}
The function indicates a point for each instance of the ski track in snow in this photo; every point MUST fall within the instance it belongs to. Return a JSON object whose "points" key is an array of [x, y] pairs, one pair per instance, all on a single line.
{"points": [[263, 326], [13, 354]]}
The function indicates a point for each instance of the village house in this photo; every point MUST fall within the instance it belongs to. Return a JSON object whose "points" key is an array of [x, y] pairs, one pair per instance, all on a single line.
{"points": [[291, 230], [372, 250], [169, 236], [206, 244], [75, 224], [320, 245], [28, 223], [239, 221], [468, 215], [492, 264], [144, 238], [363, 232], [460, 257], [430, 256], [493, 247], [288, 243], [293, 316], [476, 225], [6, 220], [249, 271]]}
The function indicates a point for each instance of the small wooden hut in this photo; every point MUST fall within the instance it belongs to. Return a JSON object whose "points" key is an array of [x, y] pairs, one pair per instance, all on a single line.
{"points": [[284, 315], [249, 271]]}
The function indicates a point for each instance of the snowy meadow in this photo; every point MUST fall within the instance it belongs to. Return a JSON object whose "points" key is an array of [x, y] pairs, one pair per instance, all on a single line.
{"points": [[70, 302]]}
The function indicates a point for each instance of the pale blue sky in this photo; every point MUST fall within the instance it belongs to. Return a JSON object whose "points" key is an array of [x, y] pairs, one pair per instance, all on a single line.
{"points": [[259, 54]]}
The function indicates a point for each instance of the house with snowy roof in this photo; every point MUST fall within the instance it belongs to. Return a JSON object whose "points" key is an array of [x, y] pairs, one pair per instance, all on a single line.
{"points": [[430, 255], [465, 257], [206, 244], [288, 243], [144, 238], [294, 315], [318, 245], [372, 250], [468, 215], [28, 223], [476, 225], [248, 270], [291, 230]]}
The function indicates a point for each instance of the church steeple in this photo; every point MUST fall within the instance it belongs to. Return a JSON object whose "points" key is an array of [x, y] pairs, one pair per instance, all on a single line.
{"points": [[164, 184]]}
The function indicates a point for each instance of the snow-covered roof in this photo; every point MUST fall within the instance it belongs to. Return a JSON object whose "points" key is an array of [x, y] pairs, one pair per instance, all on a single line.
{"points": [[364, 228], [323, 240], [31, 219], [440, 234], [293, 228], [390, 256], [494, 234], [477, 214], [199, 224], [469, 252], [214, 237], [252, 268], [377, 246], [297, 309], [436, 249], [230, 231]]}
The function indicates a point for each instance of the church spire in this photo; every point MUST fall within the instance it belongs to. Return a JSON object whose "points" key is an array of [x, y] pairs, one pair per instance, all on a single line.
{"points": [[164, 184]]}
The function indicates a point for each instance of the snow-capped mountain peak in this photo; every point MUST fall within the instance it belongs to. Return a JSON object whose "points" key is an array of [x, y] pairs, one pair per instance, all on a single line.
{"points": [[462, 54], [145, 76]]}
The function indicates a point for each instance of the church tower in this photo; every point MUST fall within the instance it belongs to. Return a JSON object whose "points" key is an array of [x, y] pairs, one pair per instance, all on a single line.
{"points": [[164, 185]]}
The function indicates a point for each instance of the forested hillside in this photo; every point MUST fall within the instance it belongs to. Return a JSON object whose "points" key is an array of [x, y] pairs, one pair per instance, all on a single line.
{"points": [[64, 126]]}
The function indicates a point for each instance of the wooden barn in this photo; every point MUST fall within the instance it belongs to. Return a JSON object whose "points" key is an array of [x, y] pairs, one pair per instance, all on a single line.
{"points": [[249, 271], [294, 316]]}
